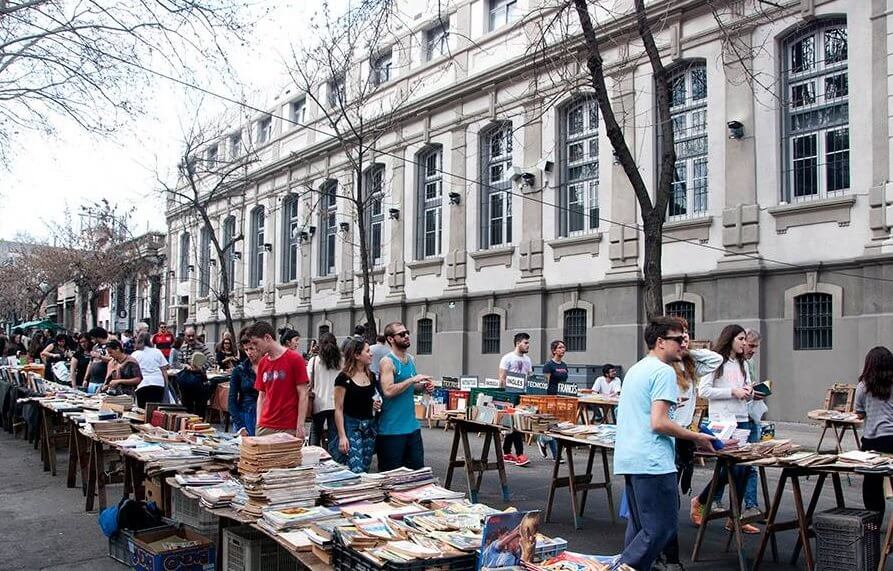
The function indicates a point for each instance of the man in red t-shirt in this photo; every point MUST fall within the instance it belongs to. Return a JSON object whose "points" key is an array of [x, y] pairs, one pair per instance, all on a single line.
{"points": [[282, 384], [163, 340]]}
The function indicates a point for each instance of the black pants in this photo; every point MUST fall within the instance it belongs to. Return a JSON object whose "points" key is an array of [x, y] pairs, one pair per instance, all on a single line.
{"points": [[149, 394], [194, 396], [873, 484], [516, 438], [323, 430]]}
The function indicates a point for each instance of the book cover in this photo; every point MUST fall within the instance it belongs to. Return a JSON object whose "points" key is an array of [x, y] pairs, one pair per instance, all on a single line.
{"points": [[508, 539]]}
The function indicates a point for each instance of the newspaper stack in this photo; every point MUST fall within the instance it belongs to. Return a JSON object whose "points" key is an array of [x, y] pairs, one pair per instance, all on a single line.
{"points": [[341, 492], [401, 478], [276, 520], [258, 454], [279, 488], [112, 429]]}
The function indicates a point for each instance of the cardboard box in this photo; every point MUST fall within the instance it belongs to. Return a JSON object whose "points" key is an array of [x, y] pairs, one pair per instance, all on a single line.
{"points": [[149, 555]]}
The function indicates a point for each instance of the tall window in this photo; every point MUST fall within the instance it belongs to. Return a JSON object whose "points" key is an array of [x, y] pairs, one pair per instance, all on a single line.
{"points": [[503, 12], [204, 259], [578, 197], [685, 310], [298, 109], [575, 329], [813, 321], [264, 130], [324, 329], [335, 92], [229, 232], [329, 226], [235, 145], [496, 196], [256, 270], [211, 156], [290, 232], [424, 336], [373, 188], [381, 68], [816, 112], [491, 327], [437, 40], [688, 109], [184, 256], [429, 222]]}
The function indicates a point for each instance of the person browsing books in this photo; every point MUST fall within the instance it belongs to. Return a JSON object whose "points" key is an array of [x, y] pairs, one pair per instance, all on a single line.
{"points": [[517, 362], [874, 405], [355, 406]]}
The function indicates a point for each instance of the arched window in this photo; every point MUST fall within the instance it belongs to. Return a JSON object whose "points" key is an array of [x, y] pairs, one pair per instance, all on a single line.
{"points": [[496, 196], [424, 336], [491, 327], [204, 262], [575, 329], [290, 235], [229, 232], [324, 329], [816, 112], [373, 191], [813, 321], [184, 256], [578, 194], [688, 113], [256, 269], [685, 310], [328, 208], [429, 202]]}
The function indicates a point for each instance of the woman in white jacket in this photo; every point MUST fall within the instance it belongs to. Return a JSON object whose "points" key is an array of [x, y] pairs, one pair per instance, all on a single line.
{"points": [[728, 390]]}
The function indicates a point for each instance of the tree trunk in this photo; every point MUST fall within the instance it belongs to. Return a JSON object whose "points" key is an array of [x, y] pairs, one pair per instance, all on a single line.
{"points": [[154, 301], [653, 278], [94, 309]]}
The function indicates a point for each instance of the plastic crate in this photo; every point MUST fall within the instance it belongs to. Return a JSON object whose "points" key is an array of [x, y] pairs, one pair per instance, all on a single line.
{"points": [[847, 539], [441, 395], [454, 399], [248, 549], [189, 511], [121, 544], [563, 408], [347, 559], [498, 395]]}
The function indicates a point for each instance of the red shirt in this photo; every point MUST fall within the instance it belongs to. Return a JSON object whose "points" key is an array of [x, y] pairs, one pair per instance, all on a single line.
{"points": [[163, 342], [278, 379]]}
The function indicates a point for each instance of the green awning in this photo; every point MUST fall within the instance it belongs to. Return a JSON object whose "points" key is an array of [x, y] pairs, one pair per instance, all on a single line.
{"points": [[39, 324]]}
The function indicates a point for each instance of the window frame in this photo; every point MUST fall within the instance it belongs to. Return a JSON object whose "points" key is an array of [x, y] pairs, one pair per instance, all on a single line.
{"points": [[264, 130], [328, 225], [425, 206], [491, 191], [184, 256], [425, 336], [575, 333], [490, 343], [297, 110], [812, 142], [501, 13], [587, 135], [437, 40], [691, 171], [235, 145], [335, 92], [818, 333], [381, 68], [373, 213], [256, 261], [291, 228], [684, 309], [204, 259]]}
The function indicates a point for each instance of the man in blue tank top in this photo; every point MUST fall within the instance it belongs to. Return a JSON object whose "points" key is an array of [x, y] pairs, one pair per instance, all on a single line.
{"points": [[399, 441]]}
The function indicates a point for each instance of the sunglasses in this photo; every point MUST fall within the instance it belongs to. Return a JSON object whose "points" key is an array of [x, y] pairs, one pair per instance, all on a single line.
{"points": [[677, 338], [402, 334]]}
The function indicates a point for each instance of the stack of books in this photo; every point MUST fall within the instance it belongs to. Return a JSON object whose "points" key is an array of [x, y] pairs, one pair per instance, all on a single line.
{"points": [[258, 454], [219, 496], [279, 488], [342, 492], [112, 429], [424, 493], [276, 520]]}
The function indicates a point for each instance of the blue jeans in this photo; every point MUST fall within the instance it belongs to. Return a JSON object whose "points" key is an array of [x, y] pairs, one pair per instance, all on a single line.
{"points": [[248, 421], [653, 517], [750, 492], [395, 450], [361, 435], [550, 442], [740, 476]]}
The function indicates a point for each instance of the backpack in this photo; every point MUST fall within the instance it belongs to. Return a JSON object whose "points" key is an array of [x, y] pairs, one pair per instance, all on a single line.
{"points": [[129, 514]]}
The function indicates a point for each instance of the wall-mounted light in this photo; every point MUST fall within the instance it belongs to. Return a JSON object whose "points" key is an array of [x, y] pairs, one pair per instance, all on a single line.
{"points": [[344, 226], [172, 274], [191, 268], [452, 305], [455, 198], [268, 247], [736, 129], [394, 214], [237, 255], [548, 166]]}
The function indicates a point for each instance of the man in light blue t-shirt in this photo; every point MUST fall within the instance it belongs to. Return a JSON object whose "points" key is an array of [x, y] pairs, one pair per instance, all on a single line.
{"points": [[645, 449]]}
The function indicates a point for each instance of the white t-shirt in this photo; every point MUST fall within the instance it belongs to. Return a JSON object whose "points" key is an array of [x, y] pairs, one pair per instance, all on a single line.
{"points": [[603, 386], [323, 381], [514, 363], [151, 361]]}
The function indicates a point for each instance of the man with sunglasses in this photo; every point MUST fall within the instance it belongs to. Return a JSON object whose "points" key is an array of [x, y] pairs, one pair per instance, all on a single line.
{"points": [[399, 441], [644, 452]]}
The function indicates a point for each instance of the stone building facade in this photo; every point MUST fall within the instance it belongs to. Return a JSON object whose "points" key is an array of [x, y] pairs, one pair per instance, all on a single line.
{"points": [[503, 209]]}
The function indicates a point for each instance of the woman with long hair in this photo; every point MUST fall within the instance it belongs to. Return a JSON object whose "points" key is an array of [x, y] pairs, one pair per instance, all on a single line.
{"points": [[227, 357], [728, 391], [242, 394], [354, 395], [322, 370], [874, 406], [80, 362]]}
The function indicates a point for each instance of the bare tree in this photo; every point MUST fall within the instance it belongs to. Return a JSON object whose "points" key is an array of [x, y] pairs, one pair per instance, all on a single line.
{"points": [[344, 76], [28, 277], [87, 60]]}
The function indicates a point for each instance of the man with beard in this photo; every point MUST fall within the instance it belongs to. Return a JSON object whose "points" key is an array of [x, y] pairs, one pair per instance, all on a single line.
{"points": [[517, 362], [399, 441]]}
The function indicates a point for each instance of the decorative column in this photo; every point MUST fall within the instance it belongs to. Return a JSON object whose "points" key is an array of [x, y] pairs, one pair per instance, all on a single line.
{"points": [[880, 195], [530, 248], [271, 214], [624, 239], [396, 265], [346, 273], [456, 254]]}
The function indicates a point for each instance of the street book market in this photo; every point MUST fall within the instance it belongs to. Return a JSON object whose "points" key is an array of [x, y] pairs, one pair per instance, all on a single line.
{"points": [[196, 497]]}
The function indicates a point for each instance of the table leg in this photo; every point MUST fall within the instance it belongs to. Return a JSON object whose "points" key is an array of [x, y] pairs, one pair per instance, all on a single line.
{"points": [[708, 509], [736, 515], [769, 531], [43, 437], [609, 489], [839, 433], [588, 477], [100, 474], [469, 465], [764, 484], [818, 447], [885, 547], [83, 444], [813, 502], [128, 476], [838, 490], [572, 483], [71, 482], [91, 478], [485, 458], [802, 524], [555, 470], [454, 451], [500, 465]]}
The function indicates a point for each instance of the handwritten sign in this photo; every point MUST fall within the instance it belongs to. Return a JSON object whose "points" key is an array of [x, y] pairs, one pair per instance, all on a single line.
{"points": [[468, 383], [489, 383], [450, 383]]}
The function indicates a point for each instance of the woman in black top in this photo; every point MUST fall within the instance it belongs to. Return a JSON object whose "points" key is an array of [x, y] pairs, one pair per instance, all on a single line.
{"points": [[355, 406], [80, 362], [227, 358]]}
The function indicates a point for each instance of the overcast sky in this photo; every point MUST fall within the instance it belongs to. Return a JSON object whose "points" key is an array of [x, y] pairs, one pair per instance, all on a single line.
{"points": [[73, 167]]}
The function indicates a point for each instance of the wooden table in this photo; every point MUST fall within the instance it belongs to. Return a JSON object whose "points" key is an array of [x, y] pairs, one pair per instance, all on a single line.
{"points": [[78, 456], [734, 511], [579, 483], [48, 433], [475, 467], [586, 403], [840, 428]]}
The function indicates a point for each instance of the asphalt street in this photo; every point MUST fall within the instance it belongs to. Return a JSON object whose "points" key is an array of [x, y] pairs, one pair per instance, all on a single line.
{"points": [[43, 524]]}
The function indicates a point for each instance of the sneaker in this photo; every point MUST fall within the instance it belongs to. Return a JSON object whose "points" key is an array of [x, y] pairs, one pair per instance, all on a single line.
{"points": [[542, 446], [697, 512], [753, 512], [745, 528], [522, 460], [719, 506], [509, 459], [674, 567]]}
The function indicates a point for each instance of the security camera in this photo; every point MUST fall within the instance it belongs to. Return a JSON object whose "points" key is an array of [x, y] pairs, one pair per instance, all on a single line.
{"points": [[736, 129]]}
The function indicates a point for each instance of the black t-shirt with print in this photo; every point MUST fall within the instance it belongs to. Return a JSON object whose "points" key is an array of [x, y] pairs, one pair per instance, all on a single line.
{"points": [[357, 399]]}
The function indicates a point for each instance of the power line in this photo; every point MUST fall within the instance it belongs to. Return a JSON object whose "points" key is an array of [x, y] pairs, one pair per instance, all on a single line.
{"points": [[633, 226]]}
